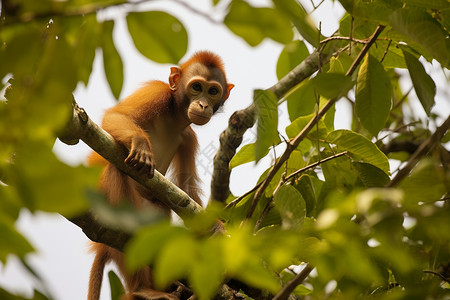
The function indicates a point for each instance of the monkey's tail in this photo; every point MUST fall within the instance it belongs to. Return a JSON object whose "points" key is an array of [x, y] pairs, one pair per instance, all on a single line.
{"points": [[95, 281]]}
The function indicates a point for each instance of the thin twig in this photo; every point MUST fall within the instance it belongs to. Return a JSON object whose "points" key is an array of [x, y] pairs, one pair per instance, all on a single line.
{"points": [[291, 285], [344, 38], [438, 274], [313, 165]]}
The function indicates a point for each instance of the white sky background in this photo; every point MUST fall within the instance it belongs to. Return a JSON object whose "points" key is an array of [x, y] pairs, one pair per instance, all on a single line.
{"points": [[62, 259]]}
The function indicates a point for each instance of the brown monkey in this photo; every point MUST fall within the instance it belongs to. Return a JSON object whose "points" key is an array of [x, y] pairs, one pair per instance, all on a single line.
{"points": [[153, 123]]}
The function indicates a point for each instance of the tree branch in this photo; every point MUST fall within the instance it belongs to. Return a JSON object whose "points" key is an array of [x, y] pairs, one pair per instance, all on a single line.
{"points": [[423, 150], [81, 127], [291, 285], [292, 145], [244, 119]]}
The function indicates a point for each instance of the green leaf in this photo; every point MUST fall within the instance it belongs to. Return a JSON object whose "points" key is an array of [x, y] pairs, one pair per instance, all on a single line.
{"points": [[50, 185], [175, 260], [301, 20], [421, 28], [360, 148], [111, 60], [372, 10], [301, 101], [305, 186], [429, 4], [254, 24], [208, 271], [245, 155], [422, 82], [373, 95], [332, 85], [291, 56], [301, 290], [267, 124], [12, 242], [291, 205], [298, 124], [425, 184], [116, 286], [370, 175], [143, 247], [158, 35]]}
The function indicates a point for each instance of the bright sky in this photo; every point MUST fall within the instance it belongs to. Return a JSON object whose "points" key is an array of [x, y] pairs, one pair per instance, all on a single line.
{"points": [[62, 259]]}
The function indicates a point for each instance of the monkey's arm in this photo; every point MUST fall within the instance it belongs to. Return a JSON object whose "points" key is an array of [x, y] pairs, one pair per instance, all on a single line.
{"points": [[119, 123]]}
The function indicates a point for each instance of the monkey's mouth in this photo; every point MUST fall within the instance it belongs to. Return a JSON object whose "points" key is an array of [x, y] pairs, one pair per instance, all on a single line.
{"points": [[197, 115]]}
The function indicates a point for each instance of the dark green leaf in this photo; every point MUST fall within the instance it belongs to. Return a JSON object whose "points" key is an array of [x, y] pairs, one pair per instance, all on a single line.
{"points": [[267, 125], [254, 24], [305, 186], [291, 205], [301, 101], [332, 85], [429, 4], [116, 286], [373, 95], [292, 55], [425, 184], [158, 35], [370, 175], [372, 10], [12, 242], [111, 60], [421, 28], [360, 148], [301, 20], [422, 82]]}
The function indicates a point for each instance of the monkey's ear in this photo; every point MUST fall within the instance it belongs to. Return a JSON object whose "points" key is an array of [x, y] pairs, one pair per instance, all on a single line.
{"points": [[227, 92], [174, 77]]}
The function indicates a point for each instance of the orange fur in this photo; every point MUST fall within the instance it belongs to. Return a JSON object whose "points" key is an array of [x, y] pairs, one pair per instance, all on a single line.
{"points": [[153, 123]]}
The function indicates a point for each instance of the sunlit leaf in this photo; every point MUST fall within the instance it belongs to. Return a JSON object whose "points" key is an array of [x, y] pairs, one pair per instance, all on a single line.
{"points": [[158, 35], [371, 10], [111, 60], [423, 84], [245, 155], [420, 27], [144, 246], [332, 85], [292, 55], [291, 205], [300, 123], [301, 20], [373, 95], [360, 148], [206, 275], [267, 124], [175, 261], [254, 24], [301, 101]]}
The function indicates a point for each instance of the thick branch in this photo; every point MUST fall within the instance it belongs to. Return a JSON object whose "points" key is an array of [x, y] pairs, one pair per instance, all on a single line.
{"points": [[423, 150], [81, 127]]}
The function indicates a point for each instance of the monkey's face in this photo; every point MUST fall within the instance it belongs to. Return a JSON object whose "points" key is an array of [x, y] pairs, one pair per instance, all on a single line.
{"points": [[205, 97]]}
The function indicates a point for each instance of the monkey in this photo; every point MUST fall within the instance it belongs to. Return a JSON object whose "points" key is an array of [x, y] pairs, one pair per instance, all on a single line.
{"points": [[154, 124]]}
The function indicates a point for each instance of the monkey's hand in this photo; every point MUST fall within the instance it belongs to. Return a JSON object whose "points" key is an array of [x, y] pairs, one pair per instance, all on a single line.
{"points": [[140, 157]]}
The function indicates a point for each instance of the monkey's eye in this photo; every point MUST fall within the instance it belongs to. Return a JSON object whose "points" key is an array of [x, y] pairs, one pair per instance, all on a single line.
{"points": [[196, 86], [213, 91]]}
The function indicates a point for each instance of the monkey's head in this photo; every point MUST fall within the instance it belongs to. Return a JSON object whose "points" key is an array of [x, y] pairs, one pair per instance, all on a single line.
{"points": [[200, 86]]}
